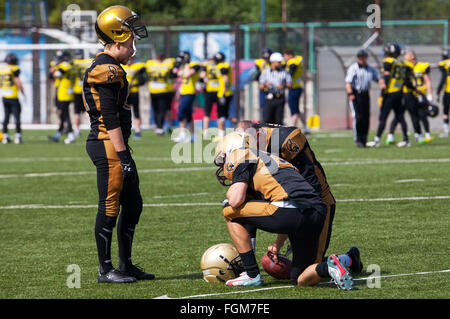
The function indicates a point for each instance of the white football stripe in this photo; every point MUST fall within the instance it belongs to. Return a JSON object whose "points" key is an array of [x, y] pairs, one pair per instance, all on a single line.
{"points": [[42, 206]]}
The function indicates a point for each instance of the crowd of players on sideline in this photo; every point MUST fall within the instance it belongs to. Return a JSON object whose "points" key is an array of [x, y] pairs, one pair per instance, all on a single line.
{"points": [[180, 78]]}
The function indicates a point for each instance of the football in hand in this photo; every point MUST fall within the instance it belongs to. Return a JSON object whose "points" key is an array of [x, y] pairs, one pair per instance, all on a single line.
{"points": [[280, 269]]}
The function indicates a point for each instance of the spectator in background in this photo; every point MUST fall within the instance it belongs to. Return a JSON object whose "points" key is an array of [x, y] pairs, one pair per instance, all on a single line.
{"points": [[274, 81], [357, 84]]}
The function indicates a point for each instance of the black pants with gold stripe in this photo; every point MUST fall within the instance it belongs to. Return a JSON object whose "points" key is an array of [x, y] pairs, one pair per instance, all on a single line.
{"points": [[307, 229], [113, 196]]}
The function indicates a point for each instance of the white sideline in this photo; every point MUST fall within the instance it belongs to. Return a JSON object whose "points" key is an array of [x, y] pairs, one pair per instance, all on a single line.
{"points": [[291, 286], [79, 206], [205, 168]]}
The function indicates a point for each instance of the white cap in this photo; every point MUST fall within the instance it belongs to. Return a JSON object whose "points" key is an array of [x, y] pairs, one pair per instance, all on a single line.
{"points": [[276, 57]]}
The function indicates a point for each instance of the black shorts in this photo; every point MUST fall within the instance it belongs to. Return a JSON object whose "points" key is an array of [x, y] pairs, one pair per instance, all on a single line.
{"points": [[307, 229], [133, 100], [446, 103], [62, 105], [78, 105], [223, 110], [210, 99]]}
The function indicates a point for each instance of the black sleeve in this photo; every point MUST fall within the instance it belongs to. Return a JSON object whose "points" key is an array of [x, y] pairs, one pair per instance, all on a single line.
{"points": [[108, 104], [16, 73], [443, 78], [196, 68], [409, 75], [142, 77], [292, 68], [244, 172], [224, 71], [387, 66]]}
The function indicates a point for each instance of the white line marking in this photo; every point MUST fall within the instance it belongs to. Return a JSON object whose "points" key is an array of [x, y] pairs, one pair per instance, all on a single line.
{"points": [[409, 180], [42, 206], [291, 286], [206, 168], [151, 170]]}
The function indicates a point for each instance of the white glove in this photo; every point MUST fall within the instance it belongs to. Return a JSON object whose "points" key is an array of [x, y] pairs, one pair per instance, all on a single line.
{"points": [[430, 97]]}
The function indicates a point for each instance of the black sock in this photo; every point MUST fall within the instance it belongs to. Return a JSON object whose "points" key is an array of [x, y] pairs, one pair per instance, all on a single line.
{"points": [[249, 263], [103, 235], [125, 234]]}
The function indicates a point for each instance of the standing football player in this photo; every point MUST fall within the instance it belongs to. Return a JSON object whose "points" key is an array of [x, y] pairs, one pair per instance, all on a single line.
{"points": [[294, 65], [394, 73], [444, 66], [10, 85], [105, 91], [61, 71]]}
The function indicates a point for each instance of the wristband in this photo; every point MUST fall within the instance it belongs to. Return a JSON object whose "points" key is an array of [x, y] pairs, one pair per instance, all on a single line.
{"points": [[125, 156]]}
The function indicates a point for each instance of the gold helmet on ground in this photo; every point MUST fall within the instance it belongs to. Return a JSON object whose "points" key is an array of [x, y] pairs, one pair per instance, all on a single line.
{"points": [[117, 24], [221, 262], [232, 141]]}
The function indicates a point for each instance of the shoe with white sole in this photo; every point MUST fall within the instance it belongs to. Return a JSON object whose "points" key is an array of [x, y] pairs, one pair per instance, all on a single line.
{"points": [[245, 280], [373, 144], [339, 273], [403, 144]]}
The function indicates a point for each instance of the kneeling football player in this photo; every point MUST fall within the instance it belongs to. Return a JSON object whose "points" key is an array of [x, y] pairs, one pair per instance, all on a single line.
{"points": [[105, 91], [282, 202]]}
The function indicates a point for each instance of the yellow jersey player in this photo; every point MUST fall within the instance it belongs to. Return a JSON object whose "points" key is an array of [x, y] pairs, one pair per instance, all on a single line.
{"points": [[224, 93], [394, 73], [79, 67], [161, 77], [444, 67], [10, 85], [260, 65], [189, 73], [294, 65], [422, 83], [136, 76], [105, 91], [269, 193], [209, 75], [61, 72]]}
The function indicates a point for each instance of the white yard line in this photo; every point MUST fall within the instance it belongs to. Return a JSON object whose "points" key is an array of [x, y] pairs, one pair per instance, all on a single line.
{"points": [[291, 286], [205, 168], [79, 206]]}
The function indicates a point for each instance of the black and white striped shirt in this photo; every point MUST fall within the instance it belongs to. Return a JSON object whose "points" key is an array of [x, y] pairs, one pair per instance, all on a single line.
{"points": [[275, 77], [361, 76]]}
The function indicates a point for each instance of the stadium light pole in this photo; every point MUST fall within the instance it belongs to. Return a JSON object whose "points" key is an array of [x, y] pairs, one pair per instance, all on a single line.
{"points": [[263, 24]]}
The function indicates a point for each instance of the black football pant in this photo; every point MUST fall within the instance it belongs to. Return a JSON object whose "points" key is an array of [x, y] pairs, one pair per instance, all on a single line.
{"points": [[361, 116], [64, 116], [392, 101], [161, 105], [274, 110], [114, 195], [11, 106], [410, 103], [303, 226]]}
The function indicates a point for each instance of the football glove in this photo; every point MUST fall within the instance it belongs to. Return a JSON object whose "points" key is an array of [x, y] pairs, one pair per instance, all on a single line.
{"points": [[128, 166]]}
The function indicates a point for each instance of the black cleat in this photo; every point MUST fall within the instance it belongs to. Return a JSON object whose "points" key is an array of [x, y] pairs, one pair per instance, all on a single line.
{"points": [[137, 273], [115, 276], [357, 265]]}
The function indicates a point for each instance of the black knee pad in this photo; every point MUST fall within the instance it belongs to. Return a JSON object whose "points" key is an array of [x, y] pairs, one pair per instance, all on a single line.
{"points": [[295, 272]]}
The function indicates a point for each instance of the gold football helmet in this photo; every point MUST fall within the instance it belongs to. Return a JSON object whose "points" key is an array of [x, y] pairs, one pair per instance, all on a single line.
{"points": [[117, 24], [232, 141], [220, 263]]}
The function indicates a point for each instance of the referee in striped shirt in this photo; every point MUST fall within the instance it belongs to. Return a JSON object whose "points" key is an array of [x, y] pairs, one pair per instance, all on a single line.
{"points": [[274, 81], [357, 84]]}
